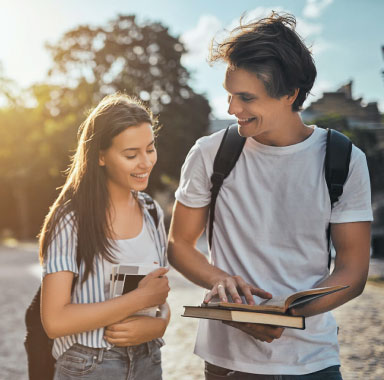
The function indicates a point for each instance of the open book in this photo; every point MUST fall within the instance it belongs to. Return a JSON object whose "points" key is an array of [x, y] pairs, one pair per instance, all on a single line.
{"points": [[281, 304], [270, 312]]}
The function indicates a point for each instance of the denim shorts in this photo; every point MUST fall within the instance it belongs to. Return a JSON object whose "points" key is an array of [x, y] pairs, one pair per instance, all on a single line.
{"points": [[118, 363], [213, 372]]}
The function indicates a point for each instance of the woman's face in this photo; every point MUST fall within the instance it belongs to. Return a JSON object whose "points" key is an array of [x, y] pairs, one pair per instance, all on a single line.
{"points": [[129, 160]]}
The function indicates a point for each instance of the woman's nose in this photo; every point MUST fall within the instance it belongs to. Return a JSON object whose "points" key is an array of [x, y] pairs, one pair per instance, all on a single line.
{"points": [[145, 162]]}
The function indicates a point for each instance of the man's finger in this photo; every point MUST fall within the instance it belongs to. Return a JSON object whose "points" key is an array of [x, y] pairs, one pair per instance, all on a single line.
{"points": [[208, 296], [221, 293], [232, 290], [246, 291], [260, 292]]}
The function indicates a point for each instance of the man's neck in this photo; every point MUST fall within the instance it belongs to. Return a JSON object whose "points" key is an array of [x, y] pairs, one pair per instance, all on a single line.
{"points": [[292, 131]]}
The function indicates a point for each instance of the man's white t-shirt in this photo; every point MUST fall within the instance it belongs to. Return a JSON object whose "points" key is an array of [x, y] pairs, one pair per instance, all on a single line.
{"points": [[271, 217]]}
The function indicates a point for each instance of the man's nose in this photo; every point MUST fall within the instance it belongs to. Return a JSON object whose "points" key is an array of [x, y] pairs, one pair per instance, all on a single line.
{"points": [[234, 106]]}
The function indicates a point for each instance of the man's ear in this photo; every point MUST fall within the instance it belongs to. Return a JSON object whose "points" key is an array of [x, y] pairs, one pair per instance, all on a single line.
{"points": [[291, 98], [101, 158]]}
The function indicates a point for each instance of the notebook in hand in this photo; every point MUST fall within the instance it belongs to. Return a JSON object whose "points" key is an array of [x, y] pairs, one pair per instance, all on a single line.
{"points": [[126, 277]]}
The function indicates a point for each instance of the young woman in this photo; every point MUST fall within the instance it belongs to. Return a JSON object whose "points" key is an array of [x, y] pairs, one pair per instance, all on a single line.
{"points": [[101, 218]]}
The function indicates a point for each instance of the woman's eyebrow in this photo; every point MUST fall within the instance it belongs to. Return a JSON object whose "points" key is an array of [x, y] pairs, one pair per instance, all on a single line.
{"points": [[151, 143]]}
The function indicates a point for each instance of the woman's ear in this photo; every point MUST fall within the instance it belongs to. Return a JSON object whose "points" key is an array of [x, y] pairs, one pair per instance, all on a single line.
{"points": [[101, 158]]}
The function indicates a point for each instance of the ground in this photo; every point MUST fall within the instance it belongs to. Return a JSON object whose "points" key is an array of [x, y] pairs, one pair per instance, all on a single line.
{"points": [[361, 322]]}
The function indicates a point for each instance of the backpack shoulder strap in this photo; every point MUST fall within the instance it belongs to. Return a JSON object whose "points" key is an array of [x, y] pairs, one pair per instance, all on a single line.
{"points": [[151, 207], [226, 157], [337, 157], [336, 162]]}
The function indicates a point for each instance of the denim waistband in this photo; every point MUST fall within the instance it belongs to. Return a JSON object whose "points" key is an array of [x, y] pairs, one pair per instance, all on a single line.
{"points": [[129, 351]]}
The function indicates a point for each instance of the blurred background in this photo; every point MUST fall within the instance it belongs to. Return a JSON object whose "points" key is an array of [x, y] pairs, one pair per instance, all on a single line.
{"points": [[59, 58]]}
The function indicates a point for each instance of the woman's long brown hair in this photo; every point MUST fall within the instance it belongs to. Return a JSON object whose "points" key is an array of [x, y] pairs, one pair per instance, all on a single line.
{"points": [[84, 194]]}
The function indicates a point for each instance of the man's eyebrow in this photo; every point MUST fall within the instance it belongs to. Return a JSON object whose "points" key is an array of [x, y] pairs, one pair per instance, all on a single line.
{"points": [[151, 143], [241, 93]]}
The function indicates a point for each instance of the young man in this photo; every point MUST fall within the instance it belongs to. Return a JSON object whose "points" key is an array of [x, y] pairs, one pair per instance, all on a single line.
{"points": [[271, 214]]}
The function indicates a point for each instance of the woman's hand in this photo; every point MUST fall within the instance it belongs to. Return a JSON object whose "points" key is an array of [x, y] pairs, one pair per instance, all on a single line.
{"points": [[135, 330], [138, 329], [234, 286], [154, 288]]}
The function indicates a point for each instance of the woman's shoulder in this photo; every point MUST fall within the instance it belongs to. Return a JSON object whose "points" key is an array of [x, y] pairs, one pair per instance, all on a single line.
{"points": [[150, 204], [64, 220]]}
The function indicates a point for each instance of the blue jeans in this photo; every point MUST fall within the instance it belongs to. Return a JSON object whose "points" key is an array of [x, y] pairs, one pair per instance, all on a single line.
{"points": [[213, 372], [119, 363]]}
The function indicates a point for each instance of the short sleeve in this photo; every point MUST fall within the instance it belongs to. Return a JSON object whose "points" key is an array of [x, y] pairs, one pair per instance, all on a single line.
{"points": [[354, 204], [61, 252], [195, 184]]}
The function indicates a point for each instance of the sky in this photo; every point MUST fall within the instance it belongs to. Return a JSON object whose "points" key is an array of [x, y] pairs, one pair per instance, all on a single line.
{"points": [[345, 35]]}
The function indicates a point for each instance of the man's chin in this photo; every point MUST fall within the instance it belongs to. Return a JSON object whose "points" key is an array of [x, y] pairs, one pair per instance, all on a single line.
{"points": [[247, 130]]}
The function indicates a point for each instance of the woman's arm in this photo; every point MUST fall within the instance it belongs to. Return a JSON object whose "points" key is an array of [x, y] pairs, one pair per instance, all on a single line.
{"points": [[60, 317], [138, 329]]}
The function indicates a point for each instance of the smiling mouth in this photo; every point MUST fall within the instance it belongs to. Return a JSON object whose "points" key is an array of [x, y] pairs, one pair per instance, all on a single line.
{"points": [[245, 121], [140, 176]]}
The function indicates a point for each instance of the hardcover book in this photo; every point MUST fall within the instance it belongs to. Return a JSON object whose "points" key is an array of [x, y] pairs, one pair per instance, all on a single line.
{"points": [[274, 311]]}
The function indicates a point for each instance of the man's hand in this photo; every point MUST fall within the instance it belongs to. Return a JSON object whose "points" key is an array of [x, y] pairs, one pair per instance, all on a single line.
{"points": [[265, 333], [235, 285], [135, 330]]}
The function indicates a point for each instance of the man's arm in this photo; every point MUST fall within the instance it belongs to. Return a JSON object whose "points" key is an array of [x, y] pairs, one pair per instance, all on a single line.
{"points": [[352, 245], [186, 227]]}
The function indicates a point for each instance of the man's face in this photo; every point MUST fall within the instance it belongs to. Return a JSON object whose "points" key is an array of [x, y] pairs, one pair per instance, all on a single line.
{"points": [[258, 115]]}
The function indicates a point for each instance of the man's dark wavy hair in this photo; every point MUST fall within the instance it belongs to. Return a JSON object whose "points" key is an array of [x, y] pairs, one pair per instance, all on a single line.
{"points": [[271, 49]]}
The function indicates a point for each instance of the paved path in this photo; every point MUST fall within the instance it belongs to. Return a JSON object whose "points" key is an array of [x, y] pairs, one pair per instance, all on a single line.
{"points": [[361, 323]]}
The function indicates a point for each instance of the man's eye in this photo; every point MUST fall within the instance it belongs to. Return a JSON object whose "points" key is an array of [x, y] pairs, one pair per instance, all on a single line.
{"points": [[229, 98], [246, 98]]}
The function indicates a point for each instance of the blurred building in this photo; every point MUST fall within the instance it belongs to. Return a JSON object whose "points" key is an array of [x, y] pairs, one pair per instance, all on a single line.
{"points": [[341, 102]]}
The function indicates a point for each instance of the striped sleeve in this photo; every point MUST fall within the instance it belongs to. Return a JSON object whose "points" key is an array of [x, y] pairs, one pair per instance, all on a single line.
{"points": [[162, 233], [61, 252]]}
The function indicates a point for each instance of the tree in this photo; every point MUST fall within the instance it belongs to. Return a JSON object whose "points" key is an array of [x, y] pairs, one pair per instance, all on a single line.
{"points": [[143, 60], [88, 63]]}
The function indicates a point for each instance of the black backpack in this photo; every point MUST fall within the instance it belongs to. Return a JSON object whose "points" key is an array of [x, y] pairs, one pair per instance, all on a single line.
{"points": [[337, 157], [41, 363]]}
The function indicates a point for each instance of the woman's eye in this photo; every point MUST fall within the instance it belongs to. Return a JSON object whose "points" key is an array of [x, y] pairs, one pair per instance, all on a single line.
{"points": [[130, 157], [150, 150]]}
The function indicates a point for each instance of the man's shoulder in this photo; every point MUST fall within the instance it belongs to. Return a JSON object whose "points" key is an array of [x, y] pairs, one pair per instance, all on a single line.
{"points": [[207, 143]]}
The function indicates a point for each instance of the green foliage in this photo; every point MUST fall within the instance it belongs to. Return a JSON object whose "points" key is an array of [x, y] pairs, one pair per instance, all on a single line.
{"points": [[333, 121], [89, 63]]}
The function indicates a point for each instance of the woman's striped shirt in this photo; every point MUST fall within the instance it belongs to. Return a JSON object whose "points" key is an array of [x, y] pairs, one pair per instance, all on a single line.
{"points": [[61, 256]]}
